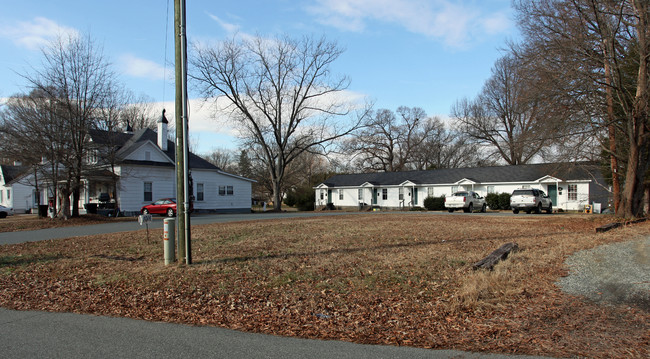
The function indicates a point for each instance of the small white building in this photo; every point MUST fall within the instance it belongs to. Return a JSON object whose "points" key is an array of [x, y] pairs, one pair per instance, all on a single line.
{"points": [[571, 186], [143, 171]]}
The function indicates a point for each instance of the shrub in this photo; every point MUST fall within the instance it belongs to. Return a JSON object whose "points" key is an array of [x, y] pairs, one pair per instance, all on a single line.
{"points": [[492, 200], [504, 201], [434, 203], [302, 198]]}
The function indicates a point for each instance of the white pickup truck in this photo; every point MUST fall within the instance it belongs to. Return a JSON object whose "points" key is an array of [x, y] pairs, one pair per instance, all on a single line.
{"points": [[468, 201]]}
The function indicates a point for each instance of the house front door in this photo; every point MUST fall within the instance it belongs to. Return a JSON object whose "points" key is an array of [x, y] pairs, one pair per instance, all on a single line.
{"points": [[374, 196], [552, 193], [329, 196]]}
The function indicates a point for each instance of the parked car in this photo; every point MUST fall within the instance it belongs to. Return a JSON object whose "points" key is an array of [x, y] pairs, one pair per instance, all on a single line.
{"points": [[530, 199], [164, 206], [468, 201], [6, 211]]}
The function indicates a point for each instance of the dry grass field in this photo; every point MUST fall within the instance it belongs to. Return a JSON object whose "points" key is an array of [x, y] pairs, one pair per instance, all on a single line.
{"points": [[397, 278], [29, 222]]}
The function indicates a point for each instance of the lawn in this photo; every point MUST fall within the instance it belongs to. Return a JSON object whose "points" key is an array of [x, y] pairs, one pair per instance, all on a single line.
{"points": [[29, 222], [397, 278]]}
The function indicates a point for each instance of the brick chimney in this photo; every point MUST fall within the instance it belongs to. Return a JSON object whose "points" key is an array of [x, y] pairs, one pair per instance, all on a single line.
{"points": [[162, 132]]}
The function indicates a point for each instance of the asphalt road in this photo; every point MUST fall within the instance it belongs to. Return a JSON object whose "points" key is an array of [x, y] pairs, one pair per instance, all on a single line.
{"points": [[33, 334]]}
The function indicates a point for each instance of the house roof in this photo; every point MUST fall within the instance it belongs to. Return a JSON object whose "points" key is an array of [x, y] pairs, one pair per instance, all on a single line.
{"points": [[12, 172], [494, 174], [129, 142]]}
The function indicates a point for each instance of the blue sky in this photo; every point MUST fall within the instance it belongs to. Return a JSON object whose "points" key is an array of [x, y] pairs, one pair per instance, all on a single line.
{"points": [[425, 53]]}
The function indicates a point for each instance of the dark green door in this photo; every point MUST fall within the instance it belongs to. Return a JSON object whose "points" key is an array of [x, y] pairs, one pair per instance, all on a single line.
{"points": [[329, 196], [552, 193], [415, 196], [374, 195]]}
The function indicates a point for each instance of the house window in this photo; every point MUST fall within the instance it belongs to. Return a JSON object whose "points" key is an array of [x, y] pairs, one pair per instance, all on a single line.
{"points": [[222, 190], [573, 192], [148, 192], [8, 194], [454, 189], [430, 191], [384, 193], [360, 194], [525, 186], [91, 156], [229, 190], [490, 189], [401, 193], [322, 194], [199, 191], [340, 195]]}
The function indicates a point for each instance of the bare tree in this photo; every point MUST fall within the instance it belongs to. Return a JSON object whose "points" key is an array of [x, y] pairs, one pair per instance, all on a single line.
{"points": [[223, 158], [407, 140], [510, 115], [447, 148], [598, 52], [138, 113], [283, 95], [76, 77], [31, 131]]}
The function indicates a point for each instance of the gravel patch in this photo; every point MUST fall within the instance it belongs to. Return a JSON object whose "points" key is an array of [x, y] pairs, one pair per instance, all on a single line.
{"points": [[616, 273]]}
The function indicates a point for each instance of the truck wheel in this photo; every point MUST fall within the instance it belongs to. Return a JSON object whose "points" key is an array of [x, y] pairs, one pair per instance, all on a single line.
{"points": [[484, 208], [549, 210], [515, 211], [451, 210], [469, 209], [538, 210]]}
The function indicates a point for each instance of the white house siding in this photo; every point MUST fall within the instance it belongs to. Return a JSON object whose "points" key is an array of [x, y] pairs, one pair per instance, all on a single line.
{"points": [[21, 197], [350, 194], [148, 152], [239, 201], [131, 186]]}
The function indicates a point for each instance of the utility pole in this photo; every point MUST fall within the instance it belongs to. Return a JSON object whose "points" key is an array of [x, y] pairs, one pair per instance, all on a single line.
{"points": [[182, 161]]}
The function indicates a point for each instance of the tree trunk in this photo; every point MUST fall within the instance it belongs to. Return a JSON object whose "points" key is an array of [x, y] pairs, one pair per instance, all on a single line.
{"points": [[64, 194], [638, 155], [75, 200], [616, 186], [277, 195]]}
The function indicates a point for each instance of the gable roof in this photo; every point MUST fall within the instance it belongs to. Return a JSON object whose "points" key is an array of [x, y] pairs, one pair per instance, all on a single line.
{"points": [[10, 173], [493, 174], [127, 143]]}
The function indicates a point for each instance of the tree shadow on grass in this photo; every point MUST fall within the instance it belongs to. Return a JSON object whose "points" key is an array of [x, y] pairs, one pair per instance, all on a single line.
{"points": [[23, 260], [405, 245]]}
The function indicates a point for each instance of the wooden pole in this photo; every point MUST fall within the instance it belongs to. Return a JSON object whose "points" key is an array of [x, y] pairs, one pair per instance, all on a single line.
{"points": [[180, 182]]}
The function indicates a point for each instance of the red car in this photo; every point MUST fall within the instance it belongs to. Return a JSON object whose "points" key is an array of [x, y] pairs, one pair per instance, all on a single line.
{"points": [[164, 206]]}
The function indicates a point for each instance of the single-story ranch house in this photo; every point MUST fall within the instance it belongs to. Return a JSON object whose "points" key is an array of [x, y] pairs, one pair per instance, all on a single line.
{"points": [[571, 186], [144, 172]]}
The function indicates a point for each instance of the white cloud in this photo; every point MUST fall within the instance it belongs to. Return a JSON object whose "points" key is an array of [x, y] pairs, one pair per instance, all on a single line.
{"points": [[36, 33], [228, 27], [137, 67], [497, 23], [453, 23]]}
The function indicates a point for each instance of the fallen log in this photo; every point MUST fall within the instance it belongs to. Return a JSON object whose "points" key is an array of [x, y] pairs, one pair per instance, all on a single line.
{"points": [[607, 227], [495, 257]]}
